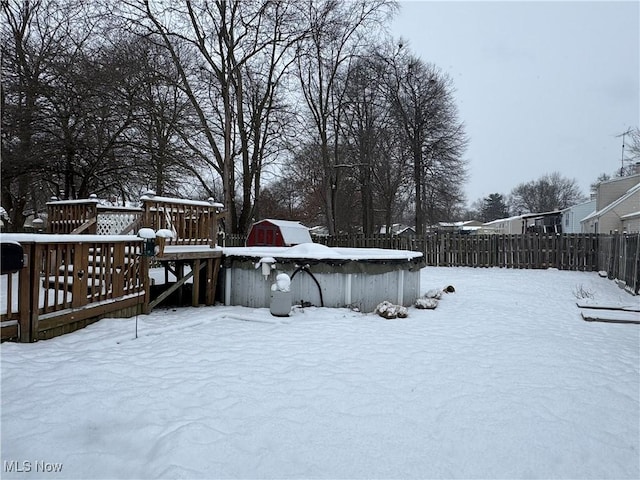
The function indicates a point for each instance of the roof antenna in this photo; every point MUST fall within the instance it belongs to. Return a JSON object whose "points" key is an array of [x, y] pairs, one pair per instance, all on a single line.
{"points": [[623, 134]]}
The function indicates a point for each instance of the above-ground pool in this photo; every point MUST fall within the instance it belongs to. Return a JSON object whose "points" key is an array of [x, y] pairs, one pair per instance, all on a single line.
{"points": [[322, 276]]}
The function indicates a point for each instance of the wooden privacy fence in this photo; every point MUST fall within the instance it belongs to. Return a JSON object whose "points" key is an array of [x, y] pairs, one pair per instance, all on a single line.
{"points": [[565, 252], [71, 281], [618, 255]]}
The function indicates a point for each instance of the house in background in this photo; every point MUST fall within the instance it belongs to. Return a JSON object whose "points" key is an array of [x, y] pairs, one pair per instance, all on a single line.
{"points": [[547, 222], [572, 216], [617, 207], [319, 231], [509, 225], [277, 233], [465, 227], [398, 229]]}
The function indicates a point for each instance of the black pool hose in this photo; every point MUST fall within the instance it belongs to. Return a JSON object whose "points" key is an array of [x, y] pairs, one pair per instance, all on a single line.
{"points": [[305, 268]]}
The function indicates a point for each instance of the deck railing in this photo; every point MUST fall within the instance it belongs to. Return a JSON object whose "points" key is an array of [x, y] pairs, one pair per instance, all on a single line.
{"points": [[192, 222], [72, 216], [90, 217], [71, 281]]}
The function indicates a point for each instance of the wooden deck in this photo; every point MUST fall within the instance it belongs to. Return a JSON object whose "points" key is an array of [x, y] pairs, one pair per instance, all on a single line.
{"points": [[70, 281], [91, 264]]}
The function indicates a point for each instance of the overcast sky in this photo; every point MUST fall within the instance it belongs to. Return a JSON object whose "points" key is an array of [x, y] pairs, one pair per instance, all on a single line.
{"points": [[540, 86]]}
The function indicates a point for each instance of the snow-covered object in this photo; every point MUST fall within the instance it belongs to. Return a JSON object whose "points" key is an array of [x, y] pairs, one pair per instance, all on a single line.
{"points": [[426, 303], [267, 263], [146, 233], [265, 260], [283, 283], [433, 293], [322, 252], [165, 233], [603, 273], [389, 310]]}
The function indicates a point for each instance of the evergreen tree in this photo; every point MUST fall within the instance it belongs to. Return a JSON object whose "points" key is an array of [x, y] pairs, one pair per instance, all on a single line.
{"points": [[493, 207]]}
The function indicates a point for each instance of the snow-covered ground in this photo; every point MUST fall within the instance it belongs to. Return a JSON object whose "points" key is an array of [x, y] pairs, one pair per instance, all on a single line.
{"points": [[503, 380]]}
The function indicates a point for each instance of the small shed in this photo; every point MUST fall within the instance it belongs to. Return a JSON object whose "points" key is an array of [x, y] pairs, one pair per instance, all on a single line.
{"points": [[277, 233]]}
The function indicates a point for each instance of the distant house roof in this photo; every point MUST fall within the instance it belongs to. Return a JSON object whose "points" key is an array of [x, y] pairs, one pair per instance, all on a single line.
{"points": [[524, 216], [507, 219], [588, 202], [397, 229], [462, 223], [319, 230]]}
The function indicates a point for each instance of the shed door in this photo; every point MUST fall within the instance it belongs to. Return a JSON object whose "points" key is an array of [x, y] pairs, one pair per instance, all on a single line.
{"points": [[266, 235]]}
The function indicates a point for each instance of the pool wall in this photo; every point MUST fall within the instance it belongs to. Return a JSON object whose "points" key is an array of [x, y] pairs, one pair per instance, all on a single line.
{"points": [[354, 284]]}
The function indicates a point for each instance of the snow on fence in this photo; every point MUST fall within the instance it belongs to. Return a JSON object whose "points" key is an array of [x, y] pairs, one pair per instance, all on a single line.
{"points": [[70, 281], [565, 252], [618, 255]]}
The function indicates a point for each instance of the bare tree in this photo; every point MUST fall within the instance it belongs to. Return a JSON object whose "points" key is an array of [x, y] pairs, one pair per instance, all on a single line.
{"points": [[92, 101], [336, 35], [550, 192], [300, 186], [231, 57], [366, 117], [34, 33], [630, 151], [422, 103]]}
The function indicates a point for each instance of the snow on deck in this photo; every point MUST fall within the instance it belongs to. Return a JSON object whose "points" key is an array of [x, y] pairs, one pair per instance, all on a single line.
{"points": [[65, 238], [502, 380], [181, 201]]}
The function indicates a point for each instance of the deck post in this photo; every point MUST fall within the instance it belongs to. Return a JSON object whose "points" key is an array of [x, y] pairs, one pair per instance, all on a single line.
{"points": [[212, 280], [34, 296], [195, 291], [145, 283], [209, 295], [80, 274], [118, 272], [26, 289]]}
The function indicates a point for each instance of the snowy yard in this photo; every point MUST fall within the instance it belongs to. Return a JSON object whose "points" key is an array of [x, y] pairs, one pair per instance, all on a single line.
{"points": [[503, 380]]}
